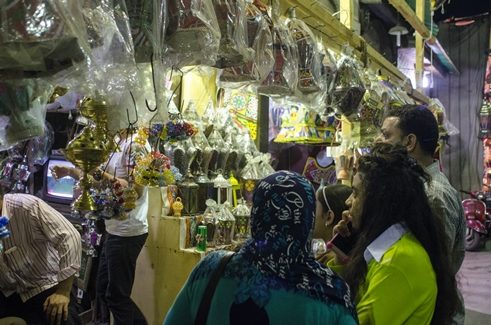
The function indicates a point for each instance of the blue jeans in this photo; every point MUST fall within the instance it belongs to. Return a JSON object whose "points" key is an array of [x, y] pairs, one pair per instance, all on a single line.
{"points": [[116, 275]]}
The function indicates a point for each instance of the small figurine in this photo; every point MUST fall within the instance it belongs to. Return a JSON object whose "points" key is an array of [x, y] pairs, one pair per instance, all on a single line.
{"points": [[177, 207]]}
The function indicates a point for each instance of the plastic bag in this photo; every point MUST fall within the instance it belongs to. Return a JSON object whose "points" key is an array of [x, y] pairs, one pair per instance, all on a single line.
{"points": [[38, 148], [22, 110], [259, 39], [111, 69], [140, 14], [444, 125], [193, 34], [233, 49], [348, 87], [309, 56], [35, 39], [283, 78]]}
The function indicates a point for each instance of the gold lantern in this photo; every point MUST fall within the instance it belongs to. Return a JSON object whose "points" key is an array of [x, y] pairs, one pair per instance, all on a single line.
{"points": [[89, 149]]}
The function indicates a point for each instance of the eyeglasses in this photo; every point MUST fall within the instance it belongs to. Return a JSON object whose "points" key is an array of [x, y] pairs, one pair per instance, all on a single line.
{"points": [[325, 199]]}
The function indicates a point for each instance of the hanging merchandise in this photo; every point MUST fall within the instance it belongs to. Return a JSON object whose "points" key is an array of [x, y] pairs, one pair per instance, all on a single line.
{"points": [[193, 34], [329, 70], [375, 100], [154, 170], [300, 124], [232, 20], [37, 38], [22, 110], [283, 78], [38, 148], [348, 88], [260, 40], [140, 15], [110, 68], [446, 128], [243, 107], [309, 56]]}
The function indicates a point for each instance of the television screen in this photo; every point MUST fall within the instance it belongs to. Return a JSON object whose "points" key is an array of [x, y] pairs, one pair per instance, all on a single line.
{"points": [[61, 189]]}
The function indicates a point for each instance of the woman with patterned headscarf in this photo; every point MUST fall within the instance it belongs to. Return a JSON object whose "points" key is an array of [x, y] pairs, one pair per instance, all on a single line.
{"points": [[274, 278]]}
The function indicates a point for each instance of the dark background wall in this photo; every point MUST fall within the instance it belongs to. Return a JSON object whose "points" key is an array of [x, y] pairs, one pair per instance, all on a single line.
{"points": [[462, 97]]}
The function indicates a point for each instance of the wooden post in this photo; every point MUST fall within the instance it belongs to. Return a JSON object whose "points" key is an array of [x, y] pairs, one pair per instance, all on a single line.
{"points": [[346, 13], [420, 47]]}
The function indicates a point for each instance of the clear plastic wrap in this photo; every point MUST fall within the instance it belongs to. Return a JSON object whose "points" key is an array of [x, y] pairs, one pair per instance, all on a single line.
{"points": [[111, 69], [445, 127], [283, 78], [140, 13], [193, 34], [259, 39], [35, 39], [348, 88], [233, 49], [22, 110], [38, 148], [309, 56]]}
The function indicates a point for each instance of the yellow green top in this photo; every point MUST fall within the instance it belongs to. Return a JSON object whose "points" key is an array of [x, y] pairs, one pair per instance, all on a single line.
{"points": [[400, 286]]}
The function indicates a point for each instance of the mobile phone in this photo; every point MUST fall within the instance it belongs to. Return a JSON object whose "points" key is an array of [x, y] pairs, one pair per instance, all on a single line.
{"points": [[342, 246]]}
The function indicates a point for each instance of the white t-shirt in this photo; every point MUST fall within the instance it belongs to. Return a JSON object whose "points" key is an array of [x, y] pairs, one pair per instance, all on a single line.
{"points": [[136, 224]]}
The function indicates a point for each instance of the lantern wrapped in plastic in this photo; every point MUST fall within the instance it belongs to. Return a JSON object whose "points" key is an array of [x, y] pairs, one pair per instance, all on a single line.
{"points": [[282, 79], [193, 34], [22, 110], [37, 38], [233, 49], [348, 87], [260, 40], [225, 225], [309, 56]]}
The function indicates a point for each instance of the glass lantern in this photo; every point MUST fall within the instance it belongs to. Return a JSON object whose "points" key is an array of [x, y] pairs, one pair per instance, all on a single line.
{"points": [[225, 226], [188, 190], [242, 215], [210, 220], [224, 189], [205, 191]]}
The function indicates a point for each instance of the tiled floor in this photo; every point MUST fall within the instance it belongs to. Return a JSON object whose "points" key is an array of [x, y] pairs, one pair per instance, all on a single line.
{"points": [[475, 282]]}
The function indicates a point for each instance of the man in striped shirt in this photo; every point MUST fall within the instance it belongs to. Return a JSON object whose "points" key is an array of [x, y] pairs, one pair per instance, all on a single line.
{"points": [[39, 262]]}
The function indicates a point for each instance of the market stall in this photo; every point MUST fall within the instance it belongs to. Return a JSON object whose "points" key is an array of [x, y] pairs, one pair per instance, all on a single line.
{"points": [[217, 91]]}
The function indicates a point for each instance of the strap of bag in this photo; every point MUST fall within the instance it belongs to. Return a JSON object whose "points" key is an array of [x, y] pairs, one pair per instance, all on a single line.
{"points": [[204, 306]]}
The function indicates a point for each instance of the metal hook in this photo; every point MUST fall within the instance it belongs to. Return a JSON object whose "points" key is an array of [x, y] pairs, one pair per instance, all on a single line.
{"points": [[154, 87], [132, 124]]}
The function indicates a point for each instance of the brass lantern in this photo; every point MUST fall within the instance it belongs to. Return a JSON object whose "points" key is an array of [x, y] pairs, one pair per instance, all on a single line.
{"points": [[89, 149]]}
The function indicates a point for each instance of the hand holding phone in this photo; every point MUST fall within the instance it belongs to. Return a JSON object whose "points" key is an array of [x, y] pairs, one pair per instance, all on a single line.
{"points": [[343, 240]]}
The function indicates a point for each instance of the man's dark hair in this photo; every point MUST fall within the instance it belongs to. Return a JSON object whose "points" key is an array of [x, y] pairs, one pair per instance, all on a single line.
{"points": [[386, 203], [420, 121]]}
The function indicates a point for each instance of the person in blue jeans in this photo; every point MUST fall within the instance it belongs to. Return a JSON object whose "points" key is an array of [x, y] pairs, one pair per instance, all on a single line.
{"points": [[125, 235], [274, 278]]}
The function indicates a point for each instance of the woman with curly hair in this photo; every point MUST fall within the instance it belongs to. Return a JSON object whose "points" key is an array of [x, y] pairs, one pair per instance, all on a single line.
{"points": [[399, 268]]}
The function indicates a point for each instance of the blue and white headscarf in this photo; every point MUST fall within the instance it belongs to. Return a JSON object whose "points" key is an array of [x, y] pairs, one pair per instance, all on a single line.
{"points": [[282, 219]]}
